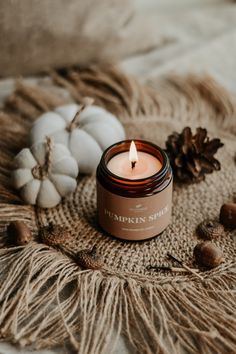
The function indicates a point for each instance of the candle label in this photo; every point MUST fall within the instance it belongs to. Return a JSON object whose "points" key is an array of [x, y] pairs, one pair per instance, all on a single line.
{"points": [[134, 218]]}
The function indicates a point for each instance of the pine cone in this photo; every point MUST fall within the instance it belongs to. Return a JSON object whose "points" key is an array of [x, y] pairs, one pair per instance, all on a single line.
{"points": [[192, 156]]}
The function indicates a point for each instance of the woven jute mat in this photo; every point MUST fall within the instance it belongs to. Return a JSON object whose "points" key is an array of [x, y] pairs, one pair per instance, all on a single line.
{"points": [[46, 299]]}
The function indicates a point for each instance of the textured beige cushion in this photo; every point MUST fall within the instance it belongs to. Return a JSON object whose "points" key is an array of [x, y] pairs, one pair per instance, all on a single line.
{"points": [[38, 35]]}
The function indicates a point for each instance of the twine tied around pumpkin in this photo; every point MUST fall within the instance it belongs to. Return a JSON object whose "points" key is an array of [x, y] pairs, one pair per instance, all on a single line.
{"points": [[87, 101], [41, 172]]}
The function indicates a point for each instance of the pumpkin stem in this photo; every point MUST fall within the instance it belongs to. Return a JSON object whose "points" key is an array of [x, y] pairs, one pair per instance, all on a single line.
{"points": [[88, 101], [41, 172], [37, 172]]}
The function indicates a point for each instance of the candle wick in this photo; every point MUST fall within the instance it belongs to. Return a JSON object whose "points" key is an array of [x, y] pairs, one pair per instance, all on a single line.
{"points": [[133, 163]]}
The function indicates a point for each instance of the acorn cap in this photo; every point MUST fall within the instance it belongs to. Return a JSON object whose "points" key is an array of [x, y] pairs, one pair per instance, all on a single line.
{"points": [[54, 235], [89, 259], [210, 230]]}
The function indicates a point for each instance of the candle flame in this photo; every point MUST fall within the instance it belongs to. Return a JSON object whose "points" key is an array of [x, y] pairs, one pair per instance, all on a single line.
{"points": [[133, 155]]}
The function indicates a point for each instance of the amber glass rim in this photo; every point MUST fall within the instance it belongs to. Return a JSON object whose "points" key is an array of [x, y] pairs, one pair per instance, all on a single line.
{"points": [[142, 145], [135, 187]]}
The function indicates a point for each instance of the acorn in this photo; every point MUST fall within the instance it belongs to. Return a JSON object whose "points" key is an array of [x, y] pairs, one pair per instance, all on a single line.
{"points": [[89, 259], [210, 230], [54, 235], [228, 215], [18, 233], [207, 254]]}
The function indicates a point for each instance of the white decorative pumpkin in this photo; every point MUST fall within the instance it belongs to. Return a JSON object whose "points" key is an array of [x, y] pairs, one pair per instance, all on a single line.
{"points": [[45, 173], [87, 130]]}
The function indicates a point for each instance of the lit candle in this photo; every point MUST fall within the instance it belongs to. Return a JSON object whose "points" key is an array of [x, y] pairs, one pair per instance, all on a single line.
{"points": [[134, 190], [134, 165]]}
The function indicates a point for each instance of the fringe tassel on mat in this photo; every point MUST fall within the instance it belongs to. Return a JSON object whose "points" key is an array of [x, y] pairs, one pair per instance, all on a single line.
{"points": [[47, 299]]}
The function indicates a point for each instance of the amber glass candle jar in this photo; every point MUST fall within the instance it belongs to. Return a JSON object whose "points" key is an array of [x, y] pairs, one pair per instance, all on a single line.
{"points": [[134, 209]]}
